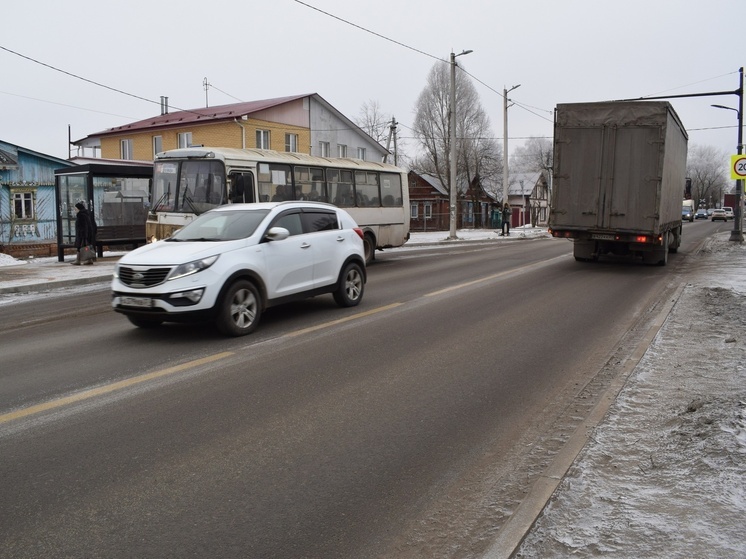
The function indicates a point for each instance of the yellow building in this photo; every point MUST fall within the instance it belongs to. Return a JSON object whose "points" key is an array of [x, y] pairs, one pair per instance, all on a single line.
{"points": [[302, 124]]}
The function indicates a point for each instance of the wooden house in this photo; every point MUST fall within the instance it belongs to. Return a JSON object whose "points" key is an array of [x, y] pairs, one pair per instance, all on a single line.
{"points": [[28, 211]]}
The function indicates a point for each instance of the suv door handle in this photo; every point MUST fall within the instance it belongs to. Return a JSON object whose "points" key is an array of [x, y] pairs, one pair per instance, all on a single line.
{"points": [[340, 239], [305, 245]]}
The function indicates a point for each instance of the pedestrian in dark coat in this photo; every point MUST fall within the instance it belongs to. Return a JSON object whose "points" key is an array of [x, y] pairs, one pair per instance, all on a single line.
{"points": [[507, 214], [85, 231]]}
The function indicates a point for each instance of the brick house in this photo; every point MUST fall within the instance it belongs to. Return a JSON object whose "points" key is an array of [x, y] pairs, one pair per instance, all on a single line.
{"points": [[429, 203], [301, 123]]}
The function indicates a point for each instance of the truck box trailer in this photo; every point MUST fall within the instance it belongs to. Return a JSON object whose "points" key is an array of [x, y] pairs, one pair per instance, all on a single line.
{"points": [[618, 178]]}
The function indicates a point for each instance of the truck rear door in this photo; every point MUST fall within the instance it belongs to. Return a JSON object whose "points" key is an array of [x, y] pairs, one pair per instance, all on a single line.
{"points": [[632, 182], [578, 165]]}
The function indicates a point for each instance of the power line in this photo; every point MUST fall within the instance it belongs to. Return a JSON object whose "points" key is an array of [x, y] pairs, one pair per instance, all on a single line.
{"points": [[76, 76], [369, 31]]}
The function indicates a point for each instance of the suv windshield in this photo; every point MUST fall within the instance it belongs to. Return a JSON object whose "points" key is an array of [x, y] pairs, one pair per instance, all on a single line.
{"points": [[220, 226]]}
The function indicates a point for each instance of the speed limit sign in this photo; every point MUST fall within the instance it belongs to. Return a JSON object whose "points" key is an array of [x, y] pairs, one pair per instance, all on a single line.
{"points": [[738, 167]]}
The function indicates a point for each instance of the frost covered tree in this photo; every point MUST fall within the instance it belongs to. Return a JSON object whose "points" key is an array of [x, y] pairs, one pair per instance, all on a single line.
{"points": [[478, 156], [706, 167]]}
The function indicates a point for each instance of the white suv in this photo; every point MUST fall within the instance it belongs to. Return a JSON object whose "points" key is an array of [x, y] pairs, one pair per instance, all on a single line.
{"points": [[231, 263]]}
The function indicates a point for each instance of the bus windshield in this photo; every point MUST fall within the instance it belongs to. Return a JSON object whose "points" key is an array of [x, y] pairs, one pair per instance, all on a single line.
{"points": [[188, 186]]}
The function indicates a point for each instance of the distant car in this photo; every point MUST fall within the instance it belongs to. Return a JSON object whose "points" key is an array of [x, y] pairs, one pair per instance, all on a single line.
{"points": [[231, 263], [718, 214], [686, 214], [701, 214], [729, 212], [709, 212]]}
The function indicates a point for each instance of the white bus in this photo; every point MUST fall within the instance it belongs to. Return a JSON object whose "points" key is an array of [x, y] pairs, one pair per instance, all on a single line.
{"points": [[190, 181]]}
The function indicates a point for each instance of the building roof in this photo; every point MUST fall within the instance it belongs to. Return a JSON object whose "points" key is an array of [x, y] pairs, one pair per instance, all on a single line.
{"points": [[191, 116], [435, 183], [523, 184], [9, 155]]}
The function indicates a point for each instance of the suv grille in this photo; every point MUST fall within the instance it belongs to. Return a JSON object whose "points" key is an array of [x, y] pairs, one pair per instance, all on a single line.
{"points": [[142, 277]]}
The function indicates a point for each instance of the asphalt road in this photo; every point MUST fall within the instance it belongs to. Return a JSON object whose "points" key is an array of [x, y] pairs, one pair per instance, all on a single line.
{"points": [[410, 426]]}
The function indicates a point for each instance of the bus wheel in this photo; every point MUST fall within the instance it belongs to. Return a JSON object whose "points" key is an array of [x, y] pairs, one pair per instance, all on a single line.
{"points": [[351, 286], [240, 309], [369, 243]]}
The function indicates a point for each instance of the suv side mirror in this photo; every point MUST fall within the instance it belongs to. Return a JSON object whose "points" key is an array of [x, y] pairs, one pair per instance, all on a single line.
{"points": [[277, 234]]}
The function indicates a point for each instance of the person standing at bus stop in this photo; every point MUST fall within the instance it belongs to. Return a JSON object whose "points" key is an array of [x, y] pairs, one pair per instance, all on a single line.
{"points": [[507, 214], [85, 234]]}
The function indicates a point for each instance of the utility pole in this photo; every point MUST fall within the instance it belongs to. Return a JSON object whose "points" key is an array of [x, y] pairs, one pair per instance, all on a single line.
{"points": [[505, 142], [452, 125], [206, 85], [737, 233], [392, 133]]}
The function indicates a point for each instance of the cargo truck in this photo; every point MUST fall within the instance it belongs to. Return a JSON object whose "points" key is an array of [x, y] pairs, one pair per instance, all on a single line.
{"points": [[618, 177]]}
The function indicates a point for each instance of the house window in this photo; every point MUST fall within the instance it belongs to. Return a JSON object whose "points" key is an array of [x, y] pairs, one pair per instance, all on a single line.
{"points": [[125, 149], [291, 143], [324, 149], [428, 210], [262, 139], [185, 139], [157, 145], [23, 205], [361, 153], [413, 211], [341, 150]]}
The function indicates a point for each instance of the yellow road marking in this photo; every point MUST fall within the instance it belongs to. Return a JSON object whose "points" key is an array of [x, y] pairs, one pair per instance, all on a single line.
{"points": [[342, 320], [86, 394]]}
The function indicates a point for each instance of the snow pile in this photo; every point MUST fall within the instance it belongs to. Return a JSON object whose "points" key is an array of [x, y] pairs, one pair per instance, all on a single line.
{"points": [[8, 260], [665, 473]]}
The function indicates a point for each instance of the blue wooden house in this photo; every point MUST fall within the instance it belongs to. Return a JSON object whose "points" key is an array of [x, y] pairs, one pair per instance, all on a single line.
{"points": [[28, 210]]}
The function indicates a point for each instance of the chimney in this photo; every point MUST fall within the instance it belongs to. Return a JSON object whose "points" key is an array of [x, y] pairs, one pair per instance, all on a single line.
{"points": [[164, 105]]}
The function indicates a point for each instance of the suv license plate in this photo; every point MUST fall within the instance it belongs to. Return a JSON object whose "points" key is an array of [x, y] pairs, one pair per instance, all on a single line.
{"points": [[146, 302]]}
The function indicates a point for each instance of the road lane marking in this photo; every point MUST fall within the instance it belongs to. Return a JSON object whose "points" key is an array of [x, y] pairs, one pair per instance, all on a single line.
{"points": [[494, 276], [93, 392], [342, 320]]}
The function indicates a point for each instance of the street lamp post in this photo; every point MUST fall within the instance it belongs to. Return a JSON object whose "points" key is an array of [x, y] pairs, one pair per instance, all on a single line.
{"points": [[452, 155], [737, 233], [505, 142]]}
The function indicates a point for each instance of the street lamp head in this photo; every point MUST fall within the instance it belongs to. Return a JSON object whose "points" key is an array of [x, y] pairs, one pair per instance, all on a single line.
{"points": [[724, 107], [465, 52]]}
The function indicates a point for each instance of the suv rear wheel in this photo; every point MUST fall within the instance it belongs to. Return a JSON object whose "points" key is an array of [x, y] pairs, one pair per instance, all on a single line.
{"points": [[351, 286], [239, 310]]}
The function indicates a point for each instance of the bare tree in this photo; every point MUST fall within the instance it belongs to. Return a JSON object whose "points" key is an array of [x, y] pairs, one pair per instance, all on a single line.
{"points": [[708, 173], [534, 155], [374, 121], [380, 126], [478, 156]]}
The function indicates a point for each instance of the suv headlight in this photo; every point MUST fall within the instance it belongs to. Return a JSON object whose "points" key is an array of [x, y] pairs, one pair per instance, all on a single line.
{"points": [[192, 267]]}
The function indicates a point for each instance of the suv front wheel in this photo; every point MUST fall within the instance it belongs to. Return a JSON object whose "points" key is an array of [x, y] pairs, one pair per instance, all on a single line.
{"points": [[351, 286], [240, 309]]}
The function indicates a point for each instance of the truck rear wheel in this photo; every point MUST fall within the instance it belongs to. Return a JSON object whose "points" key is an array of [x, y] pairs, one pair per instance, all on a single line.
{"points": [[584, 251]]}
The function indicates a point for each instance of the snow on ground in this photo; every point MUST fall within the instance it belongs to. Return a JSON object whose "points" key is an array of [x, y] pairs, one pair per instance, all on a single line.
{"points": [[664, 475]]}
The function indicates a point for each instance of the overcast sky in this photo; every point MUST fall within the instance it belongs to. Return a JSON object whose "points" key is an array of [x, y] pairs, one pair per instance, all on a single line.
{"points": [[559, 51]]}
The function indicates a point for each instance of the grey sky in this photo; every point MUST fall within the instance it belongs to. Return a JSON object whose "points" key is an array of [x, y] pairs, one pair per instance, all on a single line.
{"points": [[558, 50]]}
